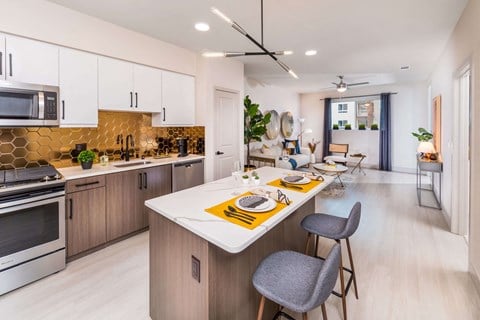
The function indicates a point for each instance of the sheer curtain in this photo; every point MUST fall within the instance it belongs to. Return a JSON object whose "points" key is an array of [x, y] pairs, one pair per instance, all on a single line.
{"points": [[385, 161], [327, 126]]}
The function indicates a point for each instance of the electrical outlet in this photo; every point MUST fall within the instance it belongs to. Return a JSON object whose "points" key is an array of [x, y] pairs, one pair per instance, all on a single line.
{"points": [[196, 269]]}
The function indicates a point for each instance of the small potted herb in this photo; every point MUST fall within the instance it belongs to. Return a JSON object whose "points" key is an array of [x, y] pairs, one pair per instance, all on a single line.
{"points": [[255, 178], [361, 126], [86, 158], [374, 126], [245, 179], [348, 127], [335, 126]]}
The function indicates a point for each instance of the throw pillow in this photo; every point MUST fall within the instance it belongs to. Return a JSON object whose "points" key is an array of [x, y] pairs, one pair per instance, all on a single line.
{"points": [[295, 143]]}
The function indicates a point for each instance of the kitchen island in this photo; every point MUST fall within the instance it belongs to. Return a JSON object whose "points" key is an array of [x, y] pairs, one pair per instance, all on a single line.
{"points": [[182, 235]]}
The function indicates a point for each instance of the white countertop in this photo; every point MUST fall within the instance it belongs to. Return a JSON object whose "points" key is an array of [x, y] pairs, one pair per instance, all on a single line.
{"points": [[186, 208], [77, 172]]}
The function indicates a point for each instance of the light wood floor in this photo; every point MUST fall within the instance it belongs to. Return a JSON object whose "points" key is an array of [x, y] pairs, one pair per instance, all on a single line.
{"points": [[409, 267]]}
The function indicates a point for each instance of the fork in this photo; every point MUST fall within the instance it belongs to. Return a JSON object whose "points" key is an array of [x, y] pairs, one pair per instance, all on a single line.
{"points": [[235, 216]]}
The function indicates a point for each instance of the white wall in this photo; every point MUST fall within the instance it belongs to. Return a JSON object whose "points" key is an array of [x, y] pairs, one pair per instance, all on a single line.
{"points": [[279, 99], [462, 47], [360, 141], [49, 22], [409, 111], [223, 73]]}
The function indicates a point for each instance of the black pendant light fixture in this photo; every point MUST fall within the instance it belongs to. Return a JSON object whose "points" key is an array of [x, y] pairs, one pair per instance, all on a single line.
{"points": [[264, 51]]}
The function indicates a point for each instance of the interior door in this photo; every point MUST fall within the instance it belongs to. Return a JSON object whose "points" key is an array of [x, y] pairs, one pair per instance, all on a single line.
{"points": [[227, 132]]}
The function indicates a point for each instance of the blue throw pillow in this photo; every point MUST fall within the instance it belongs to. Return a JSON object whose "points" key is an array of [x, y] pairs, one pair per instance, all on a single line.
{"points": [[295, 143]]}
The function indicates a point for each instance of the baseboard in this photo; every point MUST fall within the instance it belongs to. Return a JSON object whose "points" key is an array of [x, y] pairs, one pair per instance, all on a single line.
{"points": [[475, 277], [404, 170]]}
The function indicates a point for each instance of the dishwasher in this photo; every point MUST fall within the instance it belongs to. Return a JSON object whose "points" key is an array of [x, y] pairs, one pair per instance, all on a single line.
{"points": [[187, 174]]}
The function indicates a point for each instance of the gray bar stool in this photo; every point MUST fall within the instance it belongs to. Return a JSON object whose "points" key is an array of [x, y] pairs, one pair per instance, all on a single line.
{"points": [[336, 228], [296, 281]]}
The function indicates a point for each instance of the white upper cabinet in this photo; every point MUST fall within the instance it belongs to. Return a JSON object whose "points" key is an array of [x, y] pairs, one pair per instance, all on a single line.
{"points": [[30, 61], [115, 85], [78, 89], [178, 101], [148, 88], [3, 72]]}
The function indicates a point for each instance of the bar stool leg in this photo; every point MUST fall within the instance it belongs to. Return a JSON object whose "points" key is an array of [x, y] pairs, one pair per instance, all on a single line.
{"points": [[308, 243], [304, 316], [260, 308], [342, 285], [353, 268], [324, 312]]}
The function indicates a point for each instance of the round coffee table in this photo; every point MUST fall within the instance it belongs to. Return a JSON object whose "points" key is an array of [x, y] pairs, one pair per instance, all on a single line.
{"points": [[336, 170]]}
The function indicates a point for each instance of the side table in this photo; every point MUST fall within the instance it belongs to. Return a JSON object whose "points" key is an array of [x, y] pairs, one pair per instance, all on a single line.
{"points": [[433, 167]]}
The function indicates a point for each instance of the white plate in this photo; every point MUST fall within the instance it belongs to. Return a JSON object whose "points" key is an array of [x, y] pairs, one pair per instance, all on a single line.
{"points": [[291, 180], [268, 205]]}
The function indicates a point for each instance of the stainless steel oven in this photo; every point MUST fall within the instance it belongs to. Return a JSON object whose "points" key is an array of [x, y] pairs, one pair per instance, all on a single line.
{"points": [[32, 233]]}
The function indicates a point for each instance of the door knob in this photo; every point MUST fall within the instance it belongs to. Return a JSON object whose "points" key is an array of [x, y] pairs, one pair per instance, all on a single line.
{"points": [[218, 153]]}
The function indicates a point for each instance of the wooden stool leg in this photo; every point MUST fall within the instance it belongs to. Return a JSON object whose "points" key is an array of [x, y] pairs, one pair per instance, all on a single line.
{"points": [[342, 285], [308, 243], [304, 316], [353, 268], [324, 312], [260, 308]]}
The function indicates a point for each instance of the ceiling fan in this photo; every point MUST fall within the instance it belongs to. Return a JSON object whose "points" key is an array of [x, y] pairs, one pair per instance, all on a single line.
{"points": [[343, 86]]}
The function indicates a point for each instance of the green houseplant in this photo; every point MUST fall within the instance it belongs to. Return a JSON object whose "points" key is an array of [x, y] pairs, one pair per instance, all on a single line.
{"points": [[86, 158], [423, 135], [348, 127], [374, 126], [335, 126], [361, 126], [254, 124]]}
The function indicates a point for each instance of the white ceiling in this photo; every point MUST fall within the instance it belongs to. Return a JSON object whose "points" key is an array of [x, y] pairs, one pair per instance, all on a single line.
{"points": [[365, 40]]}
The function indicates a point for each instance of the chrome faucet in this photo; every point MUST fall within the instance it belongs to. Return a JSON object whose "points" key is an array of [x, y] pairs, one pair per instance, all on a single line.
{"points": [[127, 148]]}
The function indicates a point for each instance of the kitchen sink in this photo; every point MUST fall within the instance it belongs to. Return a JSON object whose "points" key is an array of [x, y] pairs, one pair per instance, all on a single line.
{"points": [[132, 164]]}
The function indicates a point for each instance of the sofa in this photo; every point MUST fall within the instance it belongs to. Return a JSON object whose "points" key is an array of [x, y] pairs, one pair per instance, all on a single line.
{"points": [[273, 155]]}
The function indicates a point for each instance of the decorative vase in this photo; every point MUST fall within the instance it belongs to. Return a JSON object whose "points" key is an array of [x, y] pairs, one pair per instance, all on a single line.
{"points": [[312, 158], [86, 165]]}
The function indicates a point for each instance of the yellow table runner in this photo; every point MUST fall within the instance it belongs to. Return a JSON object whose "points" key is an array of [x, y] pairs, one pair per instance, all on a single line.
{"points": [[301, 187], [260, 216]]}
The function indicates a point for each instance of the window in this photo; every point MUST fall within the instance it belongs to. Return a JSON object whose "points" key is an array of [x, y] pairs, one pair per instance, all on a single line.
{"points": [[342, 123], [342, 108]]}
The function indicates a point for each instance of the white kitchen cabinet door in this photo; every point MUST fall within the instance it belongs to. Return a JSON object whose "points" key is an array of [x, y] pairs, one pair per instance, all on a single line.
{"points": [[115, 85], [30, 61], [178, 101], [78, 89], [3, 72], [148, 89]]}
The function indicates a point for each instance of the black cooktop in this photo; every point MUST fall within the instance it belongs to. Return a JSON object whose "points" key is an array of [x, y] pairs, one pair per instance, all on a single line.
{"points": [[14, 177]]}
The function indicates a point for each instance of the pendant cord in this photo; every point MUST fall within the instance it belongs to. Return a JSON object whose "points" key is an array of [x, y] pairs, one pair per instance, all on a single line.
{"points": [[261, 13]]}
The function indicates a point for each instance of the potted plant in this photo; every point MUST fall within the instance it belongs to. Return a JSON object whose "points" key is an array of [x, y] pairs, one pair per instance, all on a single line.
{"points": [[348, 127], [245, 179], [86, 158], [425, 148], [335, 126], [255, 178], [361, 126], [254, 124], [312, 146], [374, 126]]}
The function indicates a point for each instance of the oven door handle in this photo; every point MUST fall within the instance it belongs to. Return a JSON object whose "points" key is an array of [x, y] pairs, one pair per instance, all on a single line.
{"points": [[31, 201]]}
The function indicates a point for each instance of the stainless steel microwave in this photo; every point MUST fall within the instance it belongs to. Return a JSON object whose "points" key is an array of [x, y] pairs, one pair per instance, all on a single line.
{"points": [[28, 105]]}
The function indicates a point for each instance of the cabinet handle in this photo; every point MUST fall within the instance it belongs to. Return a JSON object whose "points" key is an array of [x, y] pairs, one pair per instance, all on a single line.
{"points": [[140, 181], [86, 184], [131, 99], [63, 109], [1, 63], [10, 62], [136, 99], [145, 180], [71, 208], [163, 114]]}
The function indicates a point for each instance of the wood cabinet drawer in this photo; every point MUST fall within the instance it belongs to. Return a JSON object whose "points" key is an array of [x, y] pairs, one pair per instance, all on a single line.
{"points": [[85, 183]]}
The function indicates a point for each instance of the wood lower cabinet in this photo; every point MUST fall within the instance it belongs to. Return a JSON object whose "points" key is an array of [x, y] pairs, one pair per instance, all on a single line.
{"points": [[85, 214], [126, 194]]}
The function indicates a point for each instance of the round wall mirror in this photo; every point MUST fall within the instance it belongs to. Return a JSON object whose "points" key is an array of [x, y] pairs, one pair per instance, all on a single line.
{"points": [[273, 127], [287, 124]]}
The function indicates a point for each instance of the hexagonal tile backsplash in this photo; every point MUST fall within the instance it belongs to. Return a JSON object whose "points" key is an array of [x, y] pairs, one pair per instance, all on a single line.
{"points": [[25, 147]]}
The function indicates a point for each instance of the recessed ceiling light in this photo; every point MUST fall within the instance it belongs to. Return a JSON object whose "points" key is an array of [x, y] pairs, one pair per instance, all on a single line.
{"points": [[310, 52], [202, 26]]}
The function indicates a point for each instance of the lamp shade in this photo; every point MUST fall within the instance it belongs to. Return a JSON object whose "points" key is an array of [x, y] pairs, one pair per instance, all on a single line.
{"points": [[425, 147]]}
